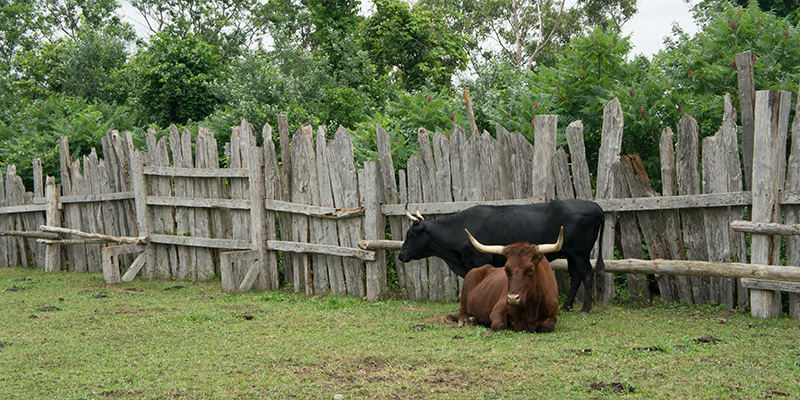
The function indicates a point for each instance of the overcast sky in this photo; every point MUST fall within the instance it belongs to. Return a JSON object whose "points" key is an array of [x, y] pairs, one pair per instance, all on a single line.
{"points": [[654, 21]]}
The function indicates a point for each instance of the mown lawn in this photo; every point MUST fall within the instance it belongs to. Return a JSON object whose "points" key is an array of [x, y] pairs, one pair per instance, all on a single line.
{"points": [[71, 336]]}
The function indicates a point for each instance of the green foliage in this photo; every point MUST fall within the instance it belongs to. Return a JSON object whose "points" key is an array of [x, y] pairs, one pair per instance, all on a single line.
{"points": [[436, 112], [36, 132], [414, 45], [173, 79], [230, 26], [702, 69]]}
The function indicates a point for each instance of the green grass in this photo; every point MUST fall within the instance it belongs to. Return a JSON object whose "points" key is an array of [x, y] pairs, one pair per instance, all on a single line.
{"points": [[140, 341]]}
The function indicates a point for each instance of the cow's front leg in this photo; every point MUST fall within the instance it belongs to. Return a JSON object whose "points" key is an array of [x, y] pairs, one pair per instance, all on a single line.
{"points": [[499, 316]]}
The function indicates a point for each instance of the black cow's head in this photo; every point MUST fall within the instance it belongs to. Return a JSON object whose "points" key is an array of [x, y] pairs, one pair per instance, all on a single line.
{"points": [[523, 262], [416, 245]]}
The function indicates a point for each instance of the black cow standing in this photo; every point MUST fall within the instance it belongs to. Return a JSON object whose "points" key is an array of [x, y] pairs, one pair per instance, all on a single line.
{"points": [[501, 225]]}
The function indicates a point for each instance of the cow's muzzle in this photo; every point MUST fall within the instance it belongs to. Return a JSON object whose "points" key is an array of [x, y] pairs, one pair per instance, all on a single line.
{"points": [[513, 299]]}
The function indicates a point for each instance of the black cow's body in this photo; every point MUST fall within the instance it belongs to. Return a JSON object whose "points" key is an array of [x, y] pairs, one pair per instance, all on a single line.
{"points": [[501, 225]]}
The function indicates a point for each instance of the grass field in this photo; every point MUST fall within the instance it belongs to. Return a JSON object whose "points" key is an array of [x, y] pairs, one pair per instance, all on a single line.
{"points": [[70, 336]]}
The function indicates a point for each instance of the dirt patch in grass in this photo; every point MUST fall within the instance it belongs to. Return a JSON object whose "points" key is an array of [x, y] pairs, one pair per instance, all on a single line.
{"points": [[616, 387]]}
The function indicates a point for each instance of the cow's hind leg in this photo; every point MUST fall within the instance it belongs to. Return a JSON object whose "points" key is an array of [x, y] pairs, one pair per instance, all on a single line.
{"points": [[574, 283], [588, 286]]}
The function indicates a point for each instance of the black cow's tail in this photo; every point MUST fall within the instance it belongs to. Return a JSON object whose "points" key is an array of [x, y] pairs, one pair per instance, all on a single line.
{"points": [[599, 266]]}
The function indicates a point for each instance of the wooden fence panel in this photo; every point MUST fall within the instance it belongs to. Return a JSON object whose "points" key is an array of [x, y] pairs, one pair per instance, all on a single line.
{"points": [[391, 194], [716, 220], [272, 188], [447, 280], [688, 179], [327, 231], [651, 222], [771, 124], [682, 284], [5, 225], [630, 238], [343, 161], [303, 182], [792, 212], [610, 147]]}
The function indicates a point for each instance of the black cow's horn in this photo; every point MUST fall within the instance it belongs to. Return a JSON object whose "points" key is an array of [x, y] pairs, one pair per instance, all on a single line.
{"points": [[413, 218], [496, 249], [421, 218], [553, 248]]}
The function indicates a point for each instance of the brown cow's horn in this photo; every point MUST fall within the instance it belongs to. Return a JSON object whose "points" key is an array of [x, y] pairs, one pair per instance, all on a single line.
{"points": [[413, 218], [497, 249], [421, 218], [552, 248]]}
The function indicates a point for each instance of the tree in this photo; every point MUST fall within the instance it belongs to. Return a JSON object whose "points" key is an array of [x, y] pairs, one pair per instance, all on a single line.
{"points": [[414, 45], [701, 69], [173, 79], [230, 25]]}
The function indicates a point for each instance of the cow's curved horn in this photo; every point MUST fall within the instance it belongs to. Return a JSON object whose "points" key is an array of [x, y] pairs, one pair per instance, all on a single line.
{"points": [[411, 217], [552, 248], [421, 218], [495, 249]]}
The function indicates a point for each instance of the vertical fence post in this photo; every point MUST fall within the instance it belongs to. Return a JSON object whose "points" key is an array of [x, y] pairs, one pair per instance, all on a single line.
{"points": [[374, 228], [52, 260], [744, 66], [771, 124], [144, 214]]}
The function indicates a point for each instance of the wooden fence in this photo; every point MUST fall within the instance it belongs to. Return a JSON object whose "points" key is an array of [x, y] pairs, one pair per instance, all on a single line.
{"points": [[263, 222]]}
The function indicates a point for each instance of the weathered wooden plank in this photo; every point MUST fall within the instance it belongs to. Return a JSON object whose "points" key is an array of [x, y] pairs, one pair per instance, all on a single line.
{"points": [[444, 193], [682, 284], [204, 265], [137, 265], [651, 222], [747, 93], [52, 218], [178, 240], [89, 211], [452, 207], [457, 172], [15, 194], [343, 162], [6, 225], [329, 232], [470, 113], [696, 268], [715, 180], [544, 148], [36, 219], [416, 270], [271, 190], [792, 212], [166, 257], [771, 285], [302, 152], [188, 172], [688, 179], [312, 248], [610, 148], [226, 261], [630, 238], [194, 202], [580, 168], [403, 223], [286, 191], [180, 270], [328, 212], [26, 208], [374, 228], [771, 124], [564, 188]]}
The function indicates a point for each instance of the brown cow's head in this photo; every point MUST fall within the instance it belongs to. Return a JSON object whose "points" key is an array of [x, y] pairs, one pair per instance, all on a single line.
{"points": [[522, 262]]}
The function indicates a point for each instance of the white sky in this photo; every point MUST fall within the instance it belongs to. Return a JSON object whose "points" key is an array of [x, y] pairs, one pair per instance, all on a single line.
{"points": [[648, 27], [654, 21]]}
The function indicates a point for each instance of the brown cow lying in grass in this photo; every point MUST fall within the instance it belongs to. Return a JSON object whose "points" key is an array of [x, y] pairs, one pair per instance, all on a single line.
{"points": [[522, 295]]}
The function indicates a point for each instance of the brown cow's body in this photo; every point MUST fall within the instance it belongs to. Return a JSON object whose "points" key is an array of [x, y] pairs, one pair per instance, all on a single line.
{"points": [[522, 296]]}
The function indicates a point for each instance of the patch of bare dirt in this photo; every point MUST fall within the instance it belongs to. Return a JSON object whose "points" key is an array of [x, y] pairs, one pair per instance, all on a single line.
{"points": [[707, 339], [616, 387]]}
